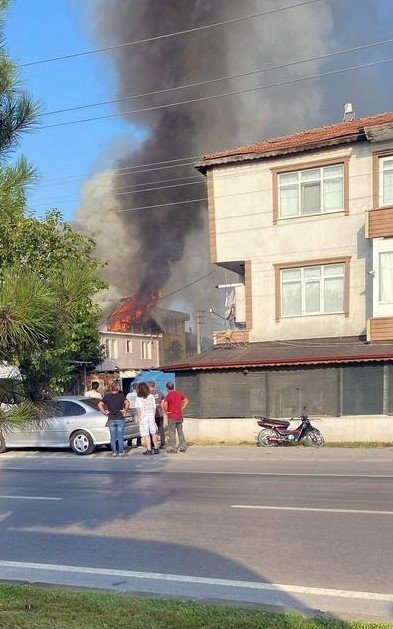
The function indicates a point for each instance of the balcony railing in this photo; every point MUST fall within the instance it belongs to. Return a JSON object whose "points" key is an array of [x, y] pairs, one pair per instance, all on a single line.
{"points": [[380, 329], [379, 223]]}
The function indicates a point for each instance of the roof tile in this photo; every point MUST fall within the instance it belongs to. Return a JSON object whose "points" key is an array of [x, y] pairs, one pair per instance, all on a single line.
{"points": [[293, 352], [304, 139]]}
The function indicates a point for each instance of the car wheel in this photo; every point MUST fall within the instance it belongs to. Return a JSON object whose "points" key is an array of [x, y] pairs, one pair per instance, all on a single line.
{"points": [[81, 443], [2, 444]]}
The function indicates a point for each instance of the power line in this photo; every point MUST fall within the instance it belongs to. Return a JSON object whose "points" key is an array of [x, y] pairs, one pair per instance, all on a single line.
{"points": [[114, 191], [167, 35], [148, 170], [222, 196], [129, 170], [177, 290], [131, 186], [222, 95], [223, 78]]}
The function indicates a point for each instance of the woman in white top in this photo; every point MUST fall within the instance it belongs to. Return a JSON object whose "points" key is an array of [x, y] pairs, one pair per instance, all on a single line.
{"points": [[145, 405]]}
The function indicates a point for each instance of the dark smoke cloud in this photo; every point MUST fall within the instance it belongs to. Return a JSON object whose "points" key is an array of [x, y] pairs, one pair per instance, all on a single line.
{"points": [[168, 246]]}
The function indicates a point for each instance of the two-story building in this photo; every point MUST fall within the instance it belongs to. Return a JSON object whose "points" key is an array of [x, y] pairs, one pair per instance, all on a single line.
{"points": [[137, 340], [306, 221], [127, 353]]}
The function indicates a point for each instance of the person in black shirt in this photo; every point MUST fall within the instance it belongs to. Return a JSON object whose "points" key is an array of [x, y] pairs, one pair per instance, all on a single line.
{"points": [[114, 405]]}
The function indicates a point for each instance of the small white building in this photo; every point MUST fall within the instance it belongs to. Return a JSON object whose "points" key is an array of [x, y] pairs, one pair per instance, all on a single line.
{"points": [[127, 353]]}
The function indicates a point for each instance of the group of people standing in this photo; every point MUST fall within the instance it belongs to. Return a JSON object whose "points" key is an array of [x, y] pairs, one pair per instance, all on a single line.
{"points": [[152, 411]]}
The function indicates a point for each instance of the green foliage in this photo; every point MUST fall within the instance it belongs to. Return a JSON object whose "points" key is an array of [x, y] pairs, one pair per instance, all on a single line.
{"points": [[27, 308], [48, 272]]}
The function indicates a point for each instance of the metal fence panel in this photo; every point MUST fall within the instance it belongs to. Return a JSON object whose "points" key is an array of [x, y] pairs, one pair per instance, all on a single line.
{"points": [[188, 383], [290, 389], [390, 389], [283, 392], [363, 389], [224, 394]]}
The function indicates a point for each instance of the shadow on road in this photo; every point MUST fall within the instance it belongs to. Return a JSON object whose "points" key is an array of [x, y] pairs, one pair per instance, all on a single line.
{"points": [[113, 515]]}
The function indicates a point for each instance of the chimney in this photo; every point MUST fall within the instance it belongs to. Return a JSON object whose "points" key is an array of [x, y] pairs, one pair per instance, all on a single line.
{"points": [[349, 114]]}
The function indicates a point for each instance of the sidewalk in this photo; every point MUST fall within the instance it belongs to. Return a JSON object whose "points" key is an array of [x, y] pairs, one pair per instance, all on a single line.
{"points": [[378, 428]]}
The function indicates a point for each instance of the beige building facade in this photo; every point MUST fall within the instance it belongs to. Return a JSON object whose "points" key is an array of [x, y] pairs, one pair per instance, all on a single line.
{"points": [[296, 228], [306, 221]]}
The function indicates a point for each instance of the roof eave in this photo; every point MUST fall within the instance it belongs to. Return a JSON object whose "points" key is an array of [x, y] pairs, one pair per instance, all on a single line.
{"points": [[323, 360], [203, 165]]}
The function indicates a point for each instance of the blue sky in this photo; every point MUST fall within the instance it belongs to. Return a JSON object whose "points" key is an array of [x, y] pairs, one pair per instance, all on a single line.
{"points": [[58, 28], [67, 156]]}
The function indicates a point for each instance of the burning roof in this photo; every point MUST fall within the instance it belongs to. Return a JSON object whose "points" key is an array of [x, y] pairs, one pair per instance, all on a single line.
{"points": [[133, 314]]}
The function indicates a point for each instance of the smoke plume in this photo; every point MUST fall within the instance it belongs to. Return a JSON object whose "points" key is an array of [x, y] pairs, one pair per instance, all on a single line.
{"points": [[167, 246]]}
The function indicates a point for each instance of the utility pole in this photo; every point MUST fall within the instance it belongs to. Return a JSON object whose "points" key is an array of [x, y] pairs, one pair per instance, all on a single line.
{"points": [[199, 321]]}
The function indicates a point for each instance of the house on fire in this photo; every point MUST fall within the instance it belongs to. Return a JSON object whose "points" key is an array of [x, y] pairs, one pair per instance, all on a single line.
{"points": [[139, 336], [306, 221]]}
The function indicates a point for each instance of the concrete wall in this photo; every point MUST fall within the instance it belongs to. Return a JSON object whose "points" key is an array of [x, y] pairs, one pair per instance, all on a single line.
{"points": [[335, 429], [130, 360], [245, 231]]}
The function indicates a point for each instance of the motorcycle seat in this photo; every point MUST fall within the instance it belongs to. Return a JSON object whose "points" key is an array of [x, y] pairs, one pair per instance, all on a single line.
{"points": [[279, 423]]}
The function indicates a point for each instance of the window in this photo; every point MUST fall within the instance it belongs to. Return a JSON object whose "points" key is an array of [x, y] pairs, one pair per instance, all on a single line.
{"points": [[311, 191], [386, 180], [147, 350], [92, 402], [386, 277], [66, 408], [111, 348], [312, 290], [129, 347]]}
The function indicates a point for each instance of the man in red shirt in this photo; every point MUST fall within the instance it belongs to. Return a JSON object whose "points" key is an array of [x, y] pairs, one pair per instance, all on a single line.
{"points": [[174, 404]]}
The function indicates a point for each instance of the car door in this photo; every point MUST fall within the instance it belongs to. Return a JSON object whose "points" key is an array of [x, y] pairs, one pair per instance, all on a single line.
{"points": [[52, 432], [25, 437], [57, 429]]}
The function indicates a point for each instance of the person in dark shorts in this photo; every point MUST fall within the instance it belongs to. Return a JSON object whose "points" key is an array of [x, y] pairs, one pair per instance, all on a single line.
{"points": [[114, 405]]}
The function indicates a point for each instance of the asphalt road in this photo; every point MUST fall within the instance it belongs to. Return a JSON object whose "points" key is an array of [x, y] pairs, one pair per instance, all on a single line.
{"points": [[294, 527]]}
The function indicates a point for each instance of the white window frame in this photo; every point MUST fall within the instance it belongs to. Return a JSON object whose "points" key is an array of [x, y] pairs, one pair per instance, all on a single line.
{"points": [[380, 308], [304, 281], [148, 346], [129, 346], [322, 178], [382, 161], [111, 348]]}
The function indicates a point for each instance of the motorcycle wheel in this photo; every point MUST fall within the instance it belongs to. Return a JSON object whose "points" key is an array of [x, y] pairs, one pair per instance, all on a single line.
{"points": [[264, 438], [315, 438]]}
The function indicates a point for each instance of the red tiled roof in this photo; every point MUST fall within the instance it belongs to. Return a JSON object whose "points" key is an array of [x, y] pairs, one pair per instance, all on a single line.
{"points": [[344, 131], [321, 351]]}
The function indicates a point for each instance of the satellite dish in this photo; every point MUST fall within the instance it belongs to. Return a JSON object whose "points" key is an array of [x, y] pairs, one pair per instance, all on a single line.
{"points": [[230, 304]]}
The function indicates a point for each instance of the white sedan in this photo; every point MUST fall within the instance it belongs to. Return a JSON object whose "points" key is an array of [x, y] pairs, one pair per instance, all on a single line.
{"points": [[76, 423]]}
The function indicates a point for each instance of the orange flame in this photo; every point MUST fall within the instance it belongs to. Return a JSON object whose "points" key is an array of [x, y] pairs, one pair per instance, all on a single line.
{"points": [[131, 311]]}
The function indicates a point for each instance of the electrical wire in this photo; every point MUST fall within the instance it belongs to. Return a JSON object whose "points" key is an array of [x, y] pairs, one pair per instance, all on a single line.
{"points": [[222, 95], [168, 35], [220, 79], [129, 170], [114, 191], [181, 288]]}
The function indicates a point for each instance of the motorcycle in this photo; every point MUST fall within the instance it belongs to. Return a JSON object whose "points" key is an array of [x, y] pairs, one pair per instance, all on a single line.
{"points": [[276, 432]]}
